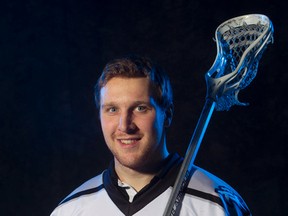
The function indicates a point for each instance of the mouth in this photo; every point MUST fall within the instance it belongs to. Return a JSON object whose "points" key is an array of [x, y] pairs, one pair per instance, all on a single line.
{"points": [[129, 142]]}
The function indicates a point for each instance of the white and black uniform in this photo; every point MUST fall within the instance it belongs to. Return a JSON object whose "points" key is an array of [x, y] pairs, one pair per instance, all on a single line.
{"points": [[106, 195]]}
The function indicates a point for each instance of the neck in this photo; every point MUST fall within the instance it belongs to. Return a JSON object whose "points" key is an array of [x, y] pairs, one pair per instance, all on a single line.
{"points": [[135, 178], [139, 177]]}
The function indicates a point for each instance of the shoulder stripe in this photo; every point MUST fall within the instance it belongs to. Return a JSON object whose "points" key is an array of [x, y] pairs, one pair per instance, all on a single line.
{"points": [[81, 193], [204, 195]]}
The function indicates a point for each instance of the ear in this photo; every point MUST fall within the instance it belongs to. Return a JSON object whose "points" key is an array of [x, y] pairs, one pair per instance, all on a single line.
{"points": [[168, 116]]}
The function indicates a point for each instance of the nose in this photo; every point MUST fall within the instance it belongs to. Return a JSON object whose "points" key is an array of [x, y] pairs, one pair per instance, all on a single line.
{"points": [[126, 123]]}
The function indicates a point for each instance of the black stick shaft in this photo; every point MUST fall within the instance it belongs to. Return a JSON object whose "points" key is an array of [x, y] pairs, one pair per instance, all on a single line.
{"points": [[190, 157]]}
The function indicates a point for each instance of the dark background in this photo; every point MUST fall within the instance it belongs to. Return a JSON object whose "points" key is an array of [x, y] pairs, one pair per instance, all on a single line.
{"points": [[51, 55]]}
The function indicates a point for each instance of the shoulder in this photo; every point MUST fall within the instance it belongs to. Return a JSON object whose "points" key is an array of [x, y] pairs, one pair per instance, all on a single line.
{"points": [[205, 181], [93, 185], [203, 187], [208, 185], [208, 189], [88, 198]]}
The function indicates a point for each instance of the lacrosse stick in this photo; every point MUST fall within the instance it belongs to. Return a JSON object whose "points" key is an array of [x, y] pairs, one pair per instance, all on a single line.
{"points": [[241, 42]]}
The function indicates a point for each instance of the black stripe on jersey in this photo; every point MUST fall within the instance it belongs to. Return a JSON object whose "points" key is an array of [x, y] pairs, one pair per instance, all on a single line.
{"points": [[157, 186], [204, 195], [81, 193]]}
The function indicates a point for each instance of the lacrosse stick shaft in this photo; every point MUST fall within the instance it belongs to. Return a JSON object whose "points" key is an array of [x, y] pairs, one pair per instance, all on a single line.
{"points": [[240, 44], [186, 167]]}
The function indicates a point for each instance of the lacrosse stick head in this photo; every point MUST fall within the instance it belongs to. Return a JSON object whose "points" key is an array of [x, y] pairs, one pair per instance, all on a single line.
{"points": [[241, 42]]}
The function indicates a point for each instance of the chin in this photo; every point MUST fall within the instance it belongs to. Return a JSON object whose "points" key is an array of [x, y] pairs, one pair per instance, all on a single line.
{"points": [[140, 164], [132, 163]]}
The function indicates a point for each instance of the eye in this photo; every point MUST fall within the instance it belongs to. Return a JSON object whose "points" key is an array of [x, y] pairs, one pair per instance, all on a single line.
{"points": [[141, 108], [112, 109]]}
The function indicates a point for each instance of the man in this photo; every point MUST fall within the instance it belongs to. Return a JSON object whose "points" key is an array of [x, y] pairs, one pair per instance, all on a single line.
{"points": [[134, 98]]}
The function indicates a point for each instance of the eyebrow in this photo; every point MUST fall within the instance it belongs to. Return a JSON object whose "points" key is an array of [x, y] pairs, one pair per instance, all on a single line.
{"points": [[135, 103]]}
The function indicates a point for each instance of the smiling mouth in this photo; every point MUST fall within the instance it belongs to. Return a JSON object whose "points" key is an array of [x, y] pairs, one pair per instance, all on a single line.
{"points": [[128, 141]]}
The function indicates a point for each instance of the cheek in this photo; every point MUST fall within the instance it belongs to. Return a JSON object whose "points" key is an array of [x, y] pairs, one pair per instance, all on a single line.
{"points": [[154, 125], [159, 125], [107, 125]]}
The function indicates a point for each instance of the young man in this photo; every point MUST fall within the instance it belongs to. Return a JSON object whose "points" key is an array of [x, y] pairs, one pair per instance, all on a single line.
{"points": [[134, 98]]}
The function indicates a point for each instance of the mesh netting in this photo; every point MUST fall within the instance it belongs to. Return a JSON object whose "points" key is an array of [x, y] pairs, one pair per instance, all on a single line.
{"points": [[241, 42], [240, 38]]}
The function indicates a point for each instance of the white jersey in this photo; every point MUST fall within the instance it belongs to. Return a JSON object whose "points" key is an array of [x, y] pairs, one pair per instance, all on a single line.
{"points": [[102, 195]]}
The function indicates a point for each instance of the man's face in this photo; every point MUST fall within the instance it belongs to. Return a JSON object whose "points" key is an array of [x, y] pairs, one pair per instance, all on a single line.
{"points": [[132, 123]]}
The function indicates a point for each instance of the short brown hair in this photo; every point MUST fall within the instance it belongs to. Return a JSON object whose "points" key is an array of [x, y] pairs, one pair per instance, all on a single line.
{"points": [[134, 66]]}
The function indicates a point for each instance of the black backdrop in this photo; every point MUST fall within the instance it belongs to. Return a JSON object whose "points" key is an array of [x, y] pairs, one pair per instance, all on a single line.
{"points": [[51, 55]]}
